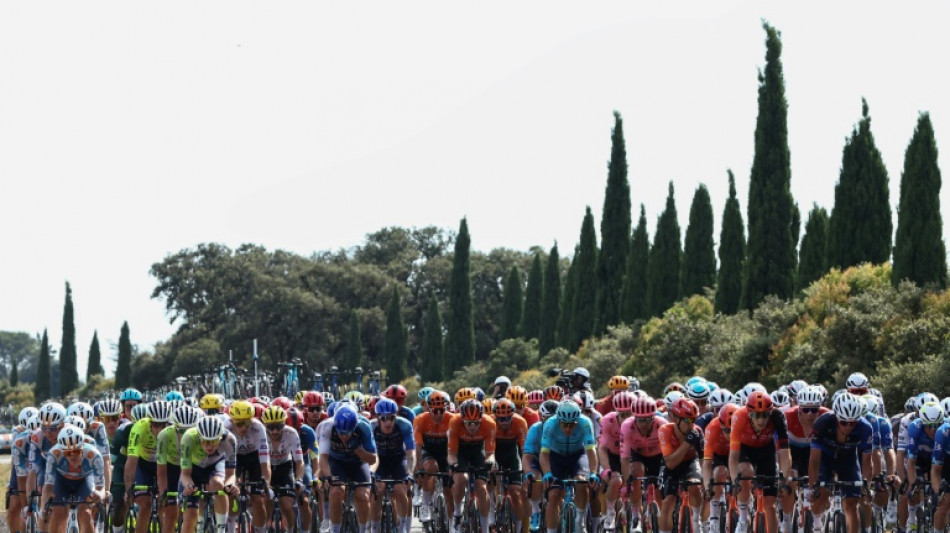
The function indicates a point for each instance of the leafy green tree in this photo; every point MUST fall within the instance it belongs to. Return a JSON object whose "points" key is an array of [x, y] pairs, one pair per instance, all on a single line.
{"points": [[564, 331], [354, 346], [614, 234], [770, 263], [731, 254], [585, 294], [14, 374], [460, 337], [860, 226], [95, 358], [43, 390], [396, 341], [813, 262], [531, 319], [550, 303], [699, 256], [919, 251], [665, 257], [123, 369], [432, 356], [69, 377], [512, 303], [635, 305], [23, 348]]}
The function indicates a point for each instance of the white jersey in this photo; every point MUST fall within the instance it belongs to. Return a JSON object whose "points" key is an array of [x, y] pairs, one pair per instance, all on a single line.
{"points": [[255, 441], [286, 448], [902, 439]]}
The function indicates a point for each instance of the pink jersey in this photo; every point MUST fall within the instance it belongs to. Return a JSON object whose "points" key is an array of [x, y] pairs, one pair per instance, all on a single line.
{"points": [[610, 435], [635, 442]]}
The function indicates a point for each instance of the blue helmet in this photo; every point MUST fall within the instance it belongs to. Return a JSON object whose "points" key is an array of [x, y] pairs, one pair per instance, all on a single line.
{"points": [[698, 390], [424, 393], [345, 420], [331, 409], [131, 395], [385, 406], [174, 396], [479, 393], [568, 412]]}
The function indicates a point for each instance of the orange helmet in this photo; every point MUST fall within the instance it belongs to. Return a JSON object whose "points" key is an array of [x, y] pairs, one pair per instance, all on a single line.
{"points": [[725, 415], [487, 403], [684, 408], [759, 402], [465, 393], [438, 400], [553, 392], [503, 408], [677, 386], [471, 410], [618, 383], [517, 395]]}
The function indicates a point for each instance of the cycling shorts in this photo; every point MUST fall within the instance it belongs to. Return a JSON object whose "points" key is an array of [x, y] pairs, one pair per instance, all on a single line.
{"points": [[800, 457], [763, 461], [844, 470], [509, 463], [249, 467], [172, 475], [440, 458], [473, 456], [651, 463], [568, 466], [670, 480], [344, 471], [202, 475], [392, 468], [71, 489], [146, 473], [720, 460], [282, 476]]}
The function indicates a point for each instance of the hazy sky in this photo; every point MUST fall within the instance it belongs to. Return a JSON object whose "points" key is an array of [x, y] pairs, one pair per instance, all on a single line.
{"points": [[130, 130]]}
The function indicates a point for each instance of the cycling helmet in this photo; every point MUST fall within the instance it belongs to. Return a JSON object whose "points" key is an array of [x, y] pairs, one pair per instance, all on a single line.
{"points": [[191, 401], [139, 412], [174, 396], [312, 398], [698, 390], [75, 421], [263, 399], [160, 411], [741, 395], [282, 401], [274, 414], [503, 408], [780, 398], [725, 415], [210, 401], [450, 408], [535, 397], [694, 379], [294, 418], [684, 408], [931, 414], [298, 398], [241, 410], [671, 397], [502, 380], [553, 392], [33, 423], [582, 372], [210, 428], [81, 409], [848, 407], [810, 396], [713, 386], [926, 397], [386, 406], [130, 395], [622, 402], [396, 393], [110, 407], [548, 408], [438, 400], [258, 410], [585, 399], [857, 380], [945, 404], [26, 414], [870, 404], [70, 438], [759, 402], [517, 395], [754, 386], [795, 387], [52, 414], [463, 394], [479, 393], [424, 393], [618, 383], [471, 410], [186, 417], [910, 404], [568, 413], [487, 403], [644, 407], [634, 384], [720, 397], [345, 419]]}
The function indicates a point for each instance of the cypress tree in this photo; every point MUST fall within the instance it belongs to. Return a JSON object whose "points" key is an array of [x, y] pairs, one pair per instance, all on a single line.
{"points": [[564, 339], [699, 256], [550, 303], [14, 373], [397, 341], [354, 344], [69, 377], [95, 359], [531, 319], [614, 234], [919, 251], [432, 355], [770, 263], [123, 369], [813, 262], [731, 254], [860, 226], [512, 299], [664, 279], [460, 337], [44, 372], [635, 296], [585, 293]]}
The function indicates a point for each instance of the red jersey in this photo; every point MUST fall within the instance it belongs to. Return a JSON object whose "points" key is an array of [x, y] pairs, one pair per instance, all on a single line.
{"points": [[744, 434], [717, 442]]}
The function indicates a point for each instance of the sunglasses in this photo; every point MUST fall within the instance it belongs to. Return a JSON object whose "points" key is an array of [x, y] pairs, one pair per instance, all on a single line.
{"points": [[71, 453], [503, 419], [242, 424], [275, 427], [645, 419], [688, 420], [387, 418], [437, 411], [315, 408], [934, 425], [809, 410], [760, 416], [725, 429], [159, 424], [859, 391], [847, 423], [52, 429], [624, 414], [568, 424], [471, 423], [211, 442], [109, 418]]}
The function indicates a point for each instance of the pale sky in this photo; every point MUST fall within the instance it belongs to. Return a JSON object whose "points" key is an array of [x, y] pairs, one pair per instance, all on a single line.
{"points": [[130, 130]]}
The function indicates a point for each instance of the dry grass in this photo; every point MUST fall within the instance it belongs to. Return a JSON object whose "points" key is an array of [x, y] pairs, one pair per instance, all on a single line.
{"points": [[5, 479]]}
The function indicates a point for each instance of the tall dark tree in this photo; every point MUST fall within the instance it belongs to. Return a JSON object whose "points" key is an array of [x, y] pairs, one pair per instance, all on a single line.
{"points": [[512, 302], [95, 358], [731, 254], [665, 257], [860, 226], [919, 251], [770, 264], [397, 341], [614, 234], [699, 256], [432, 357], [585, 294], [564, 332], [813, 262], [354, 344], [44, 375], [123, 369], [14, 373], [550, 303], [460, 337], [635, 305], [69, 376], [531, 319]]}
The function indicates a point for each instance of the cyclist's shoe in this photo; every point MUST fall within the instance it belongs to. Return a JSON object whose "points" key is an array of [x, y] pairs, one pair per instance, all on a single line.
{"points": [[742, 526], [535, 521], [425, 513], [707, 526], [911, 528], [610, 519], [416, 498], [635, 523], [457, 524], [890, 517], [325, 526]]}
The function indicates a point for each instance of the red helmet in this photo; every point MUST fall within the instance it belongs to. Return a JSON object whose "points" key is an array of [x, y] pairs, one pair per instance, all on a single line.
{"points": [[282, 401], [258, 410], [684, 408], [371, 404], [311, 398], [759, 402], [623, 401], [644, 407], [553, 392], [536, 396], [294, 417], [725, 415], [396, 393]]}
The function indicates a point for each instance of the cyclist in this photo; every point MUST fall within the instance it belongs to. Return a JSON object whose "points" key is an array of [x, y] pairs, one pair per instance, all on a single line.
{"points": [[838, 438], [530, 463], [716, 460], [568, 451], [511, 430], [609, 444], [903, 425], [95, 429], [535, 399], [74, 472], [394, 446], [286, 460], [616, 384], [397, 393], [920, 445], [168, 468], [681, 444], [110, 414], [801, 422], [858, 384], [119, 454], [52, 417], [500, 388], [759, 432], [699, 392], [430, 431], [211, 404], [519, 397], [208, 462], [939, 476], [640, 454], [347, 451], [141, 467], [471, 447], [308, 446], [252, 457], [130, 398], [882, 455], [19, 459]]}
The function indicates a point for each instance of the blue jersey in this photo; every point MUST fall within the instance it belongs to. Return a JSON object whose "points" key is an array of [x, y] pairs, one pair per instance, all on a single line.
{"points": [[308, 442], [532, 443], [330, 443], [98, 432], [20, 453], [554, 440], [825, 438], [941, 444], [919, 444], [704, 420], [883, 435], [91, 464], [39, 451], [395, 444], [407, 413]]}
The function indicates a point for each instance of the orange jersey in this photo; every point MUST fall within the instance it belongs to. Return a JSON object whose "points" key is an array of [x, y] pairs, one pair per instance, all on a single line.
{"points": [[426, 432], [743, 434], [530, 416], [717, 442], [485, 435], [669, 442], [514, 435]]}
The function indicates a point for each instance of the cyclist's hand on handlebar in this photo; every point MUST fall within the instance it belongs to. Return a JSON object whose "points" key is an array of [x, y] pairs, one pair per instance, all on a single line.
{"points": [[547, 477], [233, 490], [593, 478]]}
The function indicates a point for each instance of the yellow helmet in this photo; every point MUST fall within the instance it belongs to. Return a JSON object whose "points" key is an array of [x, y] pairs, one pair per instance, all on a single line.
{"points": [[618, 383], [241, 410], [210, 401], [298, 398], [274, 414], [465, 393]]}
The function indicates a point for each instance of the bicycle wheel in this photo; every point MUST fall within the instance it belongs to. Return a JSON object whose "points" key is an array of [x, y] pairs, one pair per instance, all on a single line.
{"points": [[733, 520], [654, 517], [508, 522], [209, 525], [839, 523], [760, 525], [315, 521], [276, 526], [568, 519], [154, 526], [723, 517], [809, 525], [243, 524], [388, 521], [686, 523]]}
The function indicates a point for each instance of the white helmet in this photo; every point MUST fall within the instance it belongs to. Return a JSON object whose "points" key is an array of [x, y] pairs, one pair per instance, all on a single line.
{"points": [[810, 396], [779, 398], [720, 397], [582, 372], [160, 411], [70, 438], [945, 404], [82, 410], [52, 414], [672, 396], [33, 423], [26, 414], [742, 396], [584, 399], [186, 417], [110, 407], [870, 402], [931, 414], [502, 380], [796, 387], [754, 386], [848, 407], [210, 428], [857, 381], [73, 420], [926, 397]]}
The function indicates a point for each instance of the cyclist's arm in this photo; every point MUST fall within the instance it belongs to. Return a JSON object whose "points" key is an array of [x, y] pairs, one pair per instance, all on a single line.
{"points": [[161, 475], [545, 460], [866, 467], [129, 474], [187, 482], [46, 496], [785, 462], [814, 461], [592, 459], [324, 466]]}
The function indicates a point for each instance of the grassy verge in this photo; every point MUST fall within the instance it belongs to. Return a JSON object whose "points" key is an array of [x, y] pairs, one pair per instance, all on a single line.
{"points": [[4, 475]]}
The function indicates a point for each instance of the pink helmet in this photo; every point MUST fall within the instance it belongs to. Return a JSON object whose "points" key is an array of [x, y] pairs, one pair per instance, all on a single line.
{"points": [[535, 396], [644, 407], [623, 401]]}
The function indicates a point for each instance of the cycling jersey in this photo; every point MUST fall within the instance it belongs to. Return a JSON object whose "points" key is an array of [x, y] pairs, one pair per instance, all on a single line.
{"points": [[611, 438], [704, 420], [532, 442], [637, 443], [330, 443], [20, 453], [882, 439], [531, 417], [941, 445], [796, 431], [669, 442], [595, 418], [407, 413], [902, 432], [744, 434], [39, 452], [286, 448], [91, 465], [98, 432], [119, 452], [605, 405], [193, 455], [717, 441], [397, 442], [308, 442], [459, 436], [826, 438], [254, 441], [509, 441], [142, 442], [554, 440], [168, 451], [428, 433], [919, 443]]}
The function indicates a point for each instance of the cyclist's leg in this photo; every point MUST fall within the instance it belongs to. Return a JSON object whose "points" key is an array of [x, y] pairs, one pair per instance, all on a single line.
{"points": [[169, 510], [637, 469], [303, 500], [744, 498], [763, 461], [145, 473], [720, 474], [212, 479], [118, 505], [84, 512], [553, 508], [613, 483], [940, 516]]}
